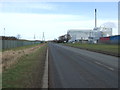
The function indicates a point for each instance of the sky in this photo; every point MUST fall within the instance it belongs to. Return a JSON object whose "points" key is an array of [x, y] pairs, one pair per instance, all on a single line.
{"points": [[54, 18]]}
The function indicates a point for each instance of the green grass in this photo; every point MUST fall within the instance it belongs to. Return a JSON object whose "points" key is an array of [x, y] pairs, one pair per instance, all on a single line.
{"points": [[27, 72], [20, 48], [100, 47]]}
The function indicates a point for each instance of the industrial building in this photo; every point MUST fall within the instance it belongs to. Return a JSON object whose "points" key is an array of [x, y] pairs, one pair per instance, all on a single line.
{"points": [[79, 34], [98, 32], [91, 36], [87, 35]]}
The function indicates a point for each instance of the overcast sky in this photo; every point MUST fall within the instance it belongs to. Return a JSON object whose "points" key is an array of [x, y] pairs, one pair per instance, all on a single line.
{"points": [[54, 18]]}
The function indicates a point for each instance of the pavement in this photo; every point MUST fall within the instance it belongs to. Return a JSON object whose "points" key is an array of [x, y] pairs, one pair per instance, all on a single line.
{"points": [[76, 68]]}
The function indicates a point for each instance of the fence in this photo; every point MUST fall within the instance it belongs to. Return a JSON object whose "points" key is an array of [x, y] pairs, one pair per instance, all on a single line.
{"points": [[0, 45], [7, 44], [110, 40]]}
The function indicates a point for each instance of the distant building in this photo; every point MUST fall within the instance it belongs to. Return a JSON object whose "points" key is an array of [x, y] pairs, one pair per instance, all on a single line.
{"points": [[79, 34], [89, 35], [98, 32]]}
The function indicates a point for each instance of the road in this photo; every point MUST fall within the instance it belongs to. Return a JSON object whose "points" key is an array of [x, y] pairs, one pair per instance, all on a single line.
{"points": [[75, 68]]}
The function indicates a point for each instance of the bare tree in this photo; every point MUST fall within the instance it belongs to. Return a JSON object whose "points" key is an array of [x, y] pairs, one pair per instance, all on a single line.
{"points": [[18, 36]]}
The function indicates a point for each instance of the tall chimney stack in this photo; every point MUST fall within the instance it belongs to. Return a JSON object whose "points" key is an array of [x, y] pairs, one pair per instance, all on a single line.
{"points": [[95, 17]]}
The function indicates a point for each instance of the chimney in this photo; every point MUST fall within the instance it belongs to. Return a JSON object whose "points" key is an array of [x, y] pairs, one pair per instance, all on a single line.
{"points": [[95, 17]]}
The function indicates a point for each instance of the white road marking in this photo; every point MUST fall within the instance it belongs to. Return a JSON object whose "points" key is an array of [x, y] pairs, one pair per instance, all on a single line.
{"points": [[45, 76], [105, 66]]}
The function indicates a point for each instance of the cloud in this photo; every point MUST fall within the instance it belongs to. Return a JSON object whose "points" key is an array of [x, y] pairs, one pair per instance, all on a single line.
{"points": [[46, 6], [28, 24], [109, 24], [51, 24], [27, 7]]}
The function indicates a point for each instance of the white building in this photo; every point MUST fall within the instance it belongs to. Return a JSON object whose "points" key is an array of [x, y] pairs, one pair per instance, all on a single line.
{"points": [[79, 34], [90, 35], [98, 32]]}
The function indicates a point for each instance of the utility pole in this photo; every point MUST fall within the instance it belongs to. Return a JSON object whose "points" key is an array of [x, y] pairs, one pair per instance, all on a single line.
{"points": [[4, 31], [43, 37], [34, 39], [34, 36]]}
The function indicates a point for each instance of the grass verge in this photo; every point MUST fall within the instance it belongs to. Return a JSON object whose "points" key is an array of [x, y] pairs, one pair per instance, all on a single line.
{"points": [[105, 48], [27, 73]]}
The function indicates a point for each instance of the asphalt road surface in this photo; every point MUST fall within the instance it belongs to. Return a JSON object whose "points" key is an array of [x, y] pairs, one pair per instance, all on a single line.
{"points": [[75, 68]]}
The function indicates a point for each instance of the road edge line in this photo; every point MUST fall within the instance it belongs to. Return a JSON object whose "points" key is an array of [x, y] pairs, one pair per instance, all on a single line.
{"points": [[45, 76], [110, 68]]}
